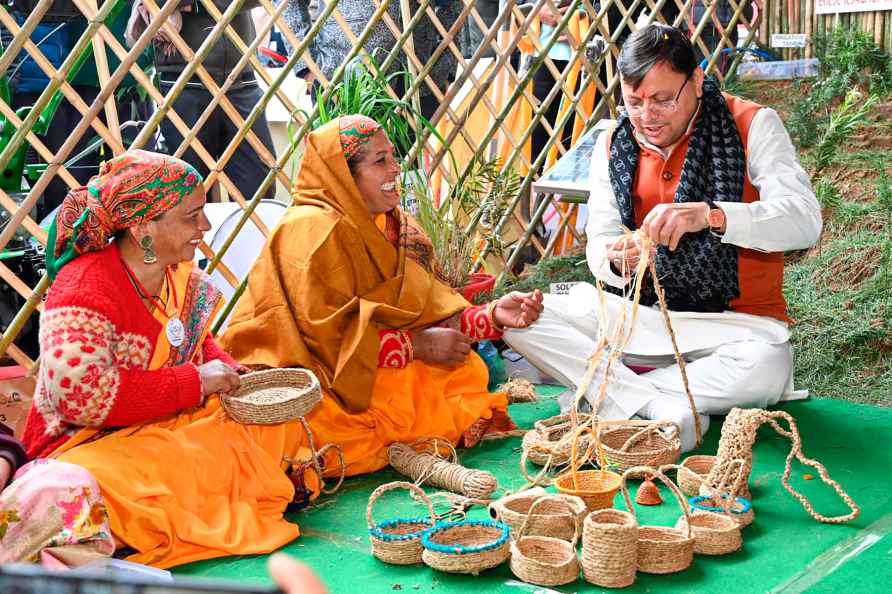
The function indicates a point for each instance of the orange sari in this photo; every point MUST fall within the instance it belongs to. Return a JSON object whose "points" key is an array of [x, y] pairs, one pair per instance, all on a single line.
{"points": [[325, 284], [197, 485]]}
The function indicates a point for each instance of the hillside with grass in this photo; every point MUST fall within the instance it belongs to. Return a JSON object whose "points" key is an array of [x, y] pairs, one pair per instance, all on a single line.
{"points": [[840, 291]]}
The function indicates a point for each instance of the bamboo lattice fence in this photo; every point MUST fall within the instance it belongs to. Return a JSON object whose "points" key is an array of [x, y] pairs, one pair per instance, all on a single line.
{"points": [[477, 111]]}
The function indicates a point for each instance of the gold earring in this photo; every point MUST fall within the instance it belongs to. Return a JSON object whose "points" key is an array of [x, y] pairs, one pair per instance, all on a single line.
{"points": [[149, 256]]}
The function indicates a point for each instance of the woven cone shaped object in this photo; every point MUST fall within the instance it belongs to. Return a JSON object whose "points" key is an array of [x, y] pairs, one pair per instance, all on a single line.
{"points": [[648, 493]]}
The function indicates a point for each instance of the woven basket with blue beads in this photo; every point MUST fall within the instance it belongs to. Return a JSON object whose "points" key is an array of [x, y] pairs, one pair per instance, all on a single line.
{"points": [[398, 541], [470, 546]]}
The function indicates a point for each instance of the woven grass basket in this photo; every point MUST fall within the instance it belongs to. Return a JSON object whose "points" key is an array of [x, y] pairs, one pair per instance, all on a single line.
{"points": [[714, 533], [273, 396], [470, 546], [550, 518], [596, 488], [740, 509], [628, 446], [662, 549], [398, 541], [542, 443], [692, 472], [546, 560], [610, 548]]}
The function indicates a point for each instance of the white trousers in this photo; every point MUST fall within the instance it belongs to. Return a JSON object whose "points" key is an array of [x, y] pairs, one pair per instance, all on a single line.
{"points": [[732, 359]]}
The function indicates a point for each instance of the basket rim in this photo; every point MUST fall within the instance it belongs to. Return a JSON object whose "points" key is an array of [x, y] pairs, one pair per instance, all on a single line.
{"points": [[696, 503], [257, 381], [378, 530], [458, 549]]}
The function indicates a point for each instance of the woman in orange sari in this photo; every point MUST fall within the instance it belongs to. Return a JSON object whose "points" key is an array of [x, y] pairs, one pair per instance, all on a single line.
{"points": [[347, 286], [129, 375]]}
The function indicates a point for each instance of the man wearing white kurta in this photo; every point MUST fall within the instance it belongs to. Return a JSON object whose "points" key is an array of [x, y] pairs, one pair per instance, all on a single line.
{"points": [[656, 172]]}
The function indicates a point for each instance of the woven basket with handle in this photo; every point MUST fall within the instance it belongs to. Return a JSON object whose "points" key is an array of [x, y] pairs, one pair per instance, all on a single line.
{"points": [[273, 396], [550, 518], [398, 541], [546, 560], [596, 488], [628, 446], [662, 549]]}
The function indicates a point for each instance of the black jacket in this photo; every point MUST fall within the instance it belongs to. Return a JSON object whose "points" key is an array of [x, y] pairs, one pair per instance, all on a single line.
{"points": [[197, 24]]}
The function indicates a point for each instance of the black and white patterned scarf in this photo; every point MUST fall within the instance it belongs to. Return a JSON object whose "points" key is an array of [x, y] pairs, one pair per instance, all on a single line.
{"points": [[701, 274]]}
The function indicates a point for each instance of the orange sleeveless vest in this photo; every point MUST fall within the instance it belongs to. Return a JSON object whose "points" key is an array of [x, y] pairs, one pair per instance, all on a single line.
{"points": [[761, 274]]}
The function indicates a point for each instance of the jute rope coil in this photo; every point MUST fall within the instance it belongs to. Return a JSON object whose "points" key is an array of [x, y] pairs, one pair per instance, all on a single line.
{"points": [[546, 560], [425, 468], [662, 549], [273, 396], [738, 437], [610, 548], [550, 518], [519, 390], [398, 541]]}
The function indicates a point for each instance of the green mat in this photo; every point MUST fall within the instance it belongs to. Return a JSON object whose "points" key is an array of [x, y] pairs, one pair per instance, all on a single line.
{"points": [[784, 550]]}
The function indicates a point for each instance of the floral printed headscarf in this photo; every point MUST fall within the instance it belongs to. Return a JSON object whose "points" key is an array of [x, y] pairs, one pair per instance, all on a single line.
{"points": [[356, 130], [130, 189]]}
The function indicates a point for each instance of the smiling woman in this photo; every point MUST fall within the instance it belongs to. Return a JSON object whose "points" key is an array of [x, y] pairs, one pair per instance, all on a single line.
{"points": [[129, 375], [347, 286]]}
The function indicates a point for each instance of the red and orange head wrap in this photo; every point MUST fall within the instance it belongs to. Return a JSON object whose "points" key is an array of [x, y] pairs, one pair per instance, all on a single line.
{"points": [[131, 188], [356, 130]]}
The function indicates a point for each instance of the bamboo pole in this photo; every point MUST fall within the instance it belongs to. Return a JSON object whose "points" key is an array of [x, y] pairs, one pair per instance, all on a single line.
{"points": [[67, 90], [15, 282], [27, 28], [111, 110], [75, 136], [738, 13], [809, 29], [338, 74], [295, 42], [21, 318], [189, 134], [195, 67]]}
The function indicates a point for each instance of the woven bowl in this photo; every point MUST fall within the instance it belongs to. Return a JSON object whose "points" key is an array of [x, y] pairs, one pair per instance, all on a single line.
{"points": [[692, 472], [595, 487], [470, 547], [550, 518], [273, 396], [714, 533]]}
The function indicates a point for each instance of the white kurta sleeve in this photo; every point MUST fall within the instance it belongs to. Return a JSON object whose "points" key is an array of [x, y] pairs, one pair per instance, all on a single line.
{"points": [[604, 221], [787, 215]]}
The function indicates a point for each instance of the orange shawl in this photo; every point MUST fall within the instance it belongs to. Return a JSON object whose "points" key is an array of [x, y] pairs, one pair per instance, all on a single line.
{"points": [[328, 280]]}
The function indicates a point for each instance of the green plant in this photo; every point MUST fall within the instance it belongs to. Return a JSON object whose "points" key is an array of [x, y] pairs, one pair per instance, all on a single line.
{"points": [[483, 195], [845, 119], [827, 194]]}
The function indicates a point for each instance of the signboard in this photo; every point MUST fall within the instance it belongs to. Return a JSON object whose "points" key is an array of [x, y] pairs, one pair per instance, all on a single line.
{"points": [[836, 6], [562, 288], [788, 40]]}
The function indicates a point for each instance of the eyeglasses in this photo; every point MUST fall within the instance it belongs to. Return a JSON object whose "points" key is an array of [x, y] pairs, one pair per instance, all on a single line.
{"points": [[657, 107]]}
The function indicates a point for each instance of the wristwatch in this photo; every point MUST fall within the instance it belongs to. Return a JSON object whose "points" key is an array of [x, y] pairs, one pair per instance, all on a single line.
{"points": [[715, 218]]}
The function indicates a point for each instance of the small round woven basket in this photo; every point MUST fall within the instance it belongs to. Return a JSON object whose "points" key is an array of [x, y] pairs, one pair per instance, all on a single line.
{"points": [[596, 488], [662, 549], [692, 472], [273, 396], [398, 541], [628, 446], [550, 518], [470, 546], [542, 444], [738, 508], [546, 560], [714, 533], [610, 548]]}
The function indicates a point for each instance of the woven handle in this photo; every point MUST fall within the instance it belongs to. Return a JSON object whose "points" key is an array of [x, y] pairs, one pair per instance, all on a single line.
{"points": [[595, 445], [647, 470], [734, 488], [398, 485], [560, 500], [647, 431], [538, 479]]}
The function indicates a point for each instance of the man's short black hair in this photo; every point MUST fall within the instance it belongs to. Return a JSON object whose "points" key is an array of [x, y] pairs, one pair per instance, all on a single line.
{"points": [[651, 45]]}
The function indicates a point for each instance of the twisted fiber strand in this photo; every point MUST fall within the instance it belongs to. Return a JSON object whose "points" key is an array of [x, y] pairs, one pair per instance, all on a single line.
{"points": [[738, 437], [423, 467]]}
